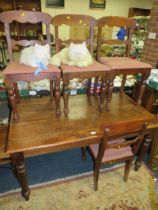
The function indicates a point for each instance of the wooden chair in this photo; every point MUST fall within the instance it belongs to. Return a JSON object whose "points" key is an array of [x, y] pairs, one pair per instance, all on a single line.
{"points": [[70, 72], [121, 65], [15, 72], [119, 149]]}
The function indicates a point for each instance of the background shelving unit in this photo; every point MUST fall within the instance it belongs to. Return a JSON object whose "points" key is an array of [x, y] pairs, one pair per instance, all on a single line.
{"points": [[19, 31], [141, 17]]}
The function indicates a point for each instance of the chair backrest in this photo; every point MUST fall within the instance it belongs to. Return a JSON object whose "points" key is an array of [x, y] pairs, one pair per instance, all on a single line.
{"points": [[115, 21], [77, 21], [134, 129], [20, 17]]}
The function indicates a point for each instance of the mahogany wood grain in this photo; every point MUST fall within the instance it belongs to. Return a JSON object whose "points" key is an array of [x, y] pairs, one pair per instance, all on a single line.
{"points": [[39, 131], [45, 130]]}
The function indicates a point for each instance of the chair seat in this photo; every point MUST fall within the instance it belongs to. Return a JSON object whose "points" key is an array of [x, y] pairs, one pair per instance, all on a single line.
{"points": [[112, 154], [96, 66], [17, 68], [123, 63]]}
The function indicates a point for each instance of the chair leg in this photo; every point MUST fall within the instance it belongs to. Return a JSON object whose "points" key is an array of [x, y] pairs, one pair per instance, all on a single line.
{"points": [[142, 89], [66, 93], [57, 96], [12, 100], [84, 153], [89, 87], [109, 95], [102, 93], [143, 149], [123, 83], [127, 169], [96, 175], [95, 86], [51, 90], [16, 92]]}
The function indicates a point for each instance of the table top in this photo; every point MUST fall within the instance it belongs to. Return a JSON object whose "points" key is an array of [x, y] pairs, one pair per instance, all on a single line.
{"points": [[40, 129]]}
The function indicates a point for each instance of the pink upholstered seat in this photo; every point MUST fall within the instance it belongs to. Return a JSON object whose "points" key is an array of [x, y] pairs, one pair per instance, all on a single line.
{"points": [[96, 66], [17, 68], [123, 63], [112, 154]]}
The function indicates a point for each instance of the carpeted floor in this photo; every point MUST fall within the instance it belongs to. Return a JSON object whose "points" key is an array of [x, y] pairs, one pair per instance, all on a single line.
{"points": [[113, 194], [48, 167]]}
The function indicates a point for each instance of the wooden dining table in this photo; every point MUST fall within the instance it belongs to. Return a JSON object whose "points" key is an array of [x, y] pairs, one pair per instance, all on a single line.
{"points": [[39, 131]]}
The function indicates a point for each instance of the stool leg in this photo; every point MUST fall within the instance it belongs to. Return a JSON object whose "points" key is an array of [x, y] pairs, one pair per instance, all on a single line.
{"points": [[66, 92], [57, 96], [20, 166]]}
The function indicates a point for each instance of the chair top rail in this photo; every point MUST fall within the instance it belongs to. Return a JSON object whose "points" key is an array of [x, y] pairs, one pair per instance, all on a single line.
{"points": [[72, 19], [116, 21], [25, 16], [124, 128], [26, 43]]}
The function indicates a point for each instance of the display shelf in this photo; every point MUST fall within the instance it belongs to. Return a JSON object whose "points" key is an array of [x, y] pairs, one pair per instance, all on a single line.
{"points": [[20, 30], [133, 11], [141, 16]]}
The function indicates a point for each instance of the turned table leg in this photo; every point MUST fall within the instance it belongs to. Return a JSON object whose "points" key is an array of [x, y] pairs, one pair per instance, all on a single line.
{"points": [[66, 93], [143, 150], [57, 96], [20, 167]]}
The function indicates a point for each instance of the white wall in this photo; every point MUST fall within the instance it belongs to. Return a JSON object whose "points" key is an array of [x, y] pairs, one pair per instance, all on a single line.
{"points": [[113, 7]]}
